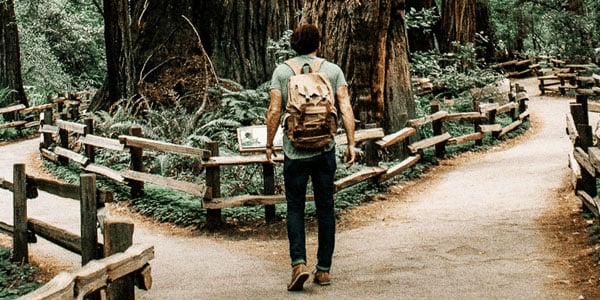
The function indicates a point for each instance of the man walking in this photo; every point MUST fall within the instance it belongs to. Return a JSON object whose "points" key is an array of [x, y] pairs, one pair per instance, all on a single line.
{"points": [[301, 163]]}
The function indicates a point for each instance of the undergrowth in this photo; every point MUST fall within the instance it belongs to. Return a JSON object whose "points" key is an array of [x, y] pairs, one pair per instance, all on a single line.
{"points": [[16, 279]]}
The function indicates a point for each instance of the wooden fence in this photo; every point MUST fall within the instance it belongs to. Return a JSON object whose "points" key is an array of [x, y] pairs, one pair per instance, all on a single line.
{"points": [[584, 159], [112, 272], [483, 119]]}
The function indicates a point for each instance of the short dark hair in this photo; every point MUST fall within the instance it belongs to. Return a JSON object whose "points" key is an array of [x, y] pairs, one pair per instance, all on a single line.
{"points": [[305, 39]]}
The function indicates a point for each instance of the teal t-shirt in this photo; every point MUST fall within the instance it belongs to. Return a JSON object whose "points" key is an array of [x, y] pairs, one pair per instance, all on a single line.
{"points": [[280, 82]]}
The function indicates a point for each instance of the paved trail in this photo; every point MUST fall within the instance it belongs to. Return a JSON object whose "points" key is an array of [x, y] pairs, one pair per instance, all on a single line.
{"points": [[468, 232]]}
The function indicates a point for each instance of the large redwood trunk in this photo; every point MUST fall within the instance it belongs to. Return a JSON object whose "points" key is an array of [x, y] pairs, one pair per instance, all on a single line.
{"points": [[10, 57], [368, 40], [458, 23], [170, 41]]}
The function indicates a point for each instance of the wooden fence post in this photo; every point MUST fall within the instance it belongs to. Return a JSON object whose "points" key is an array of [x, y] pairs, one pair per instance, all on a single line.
{"points": [[47, 120], [20, 247], [89, 149], [213, 182], [89, 219], [477, 122], [137, 164], [64, 142], [118, 236], [583, 100], [438, 129], [269, 189]]}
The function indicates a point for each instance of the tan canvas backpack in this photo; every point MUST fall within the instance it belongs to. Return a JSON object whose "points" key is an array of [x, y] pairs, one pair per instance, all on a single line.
{"points": [[310, 119]]}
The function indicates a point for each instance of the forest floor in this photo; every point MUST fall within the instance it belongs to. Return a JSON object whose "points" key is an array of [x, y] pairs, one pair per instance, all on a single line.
{"points": [[497, 224]]}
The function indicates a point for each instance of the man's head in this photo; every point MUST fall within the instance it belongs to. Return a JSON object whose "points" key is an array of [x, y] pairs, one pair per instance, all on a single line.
{"points": [[305, 39]]}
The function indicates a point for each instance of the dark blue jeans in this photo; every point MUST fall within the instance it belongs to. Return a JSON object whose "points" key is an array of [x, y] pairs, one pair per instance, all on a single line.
{"points": [[321, 169]]}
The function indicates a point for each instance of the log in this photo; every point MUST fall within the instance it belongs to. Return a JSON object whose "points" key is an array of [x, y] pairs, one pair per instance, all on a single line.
{"points": [[105, 171], [124, 263], [74, 156], [396, 137], [10, 109], [427, 119], [216, 161], [246, 200], [7, 185], [506, 107], [572, 129], [490, 128], [71, 126], [58, 236], [589, 201], [594, 157], [470, 116], [139, 142], [49, 129], [593, 107], [361, 136], [7, 229], [67, 190], [102, 142], [60, 287], [422, 144], [188, 187], [13, 124], [512, 126], [36, 108], [466, 138], [49, 155], [584, 161], [484, 108], [359, 177], [397, 169]]}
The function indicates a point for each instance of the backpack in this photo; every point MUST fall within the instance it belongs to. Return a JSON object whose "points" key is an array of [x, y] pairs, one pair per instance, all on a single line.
{"points": [[310, 118]]}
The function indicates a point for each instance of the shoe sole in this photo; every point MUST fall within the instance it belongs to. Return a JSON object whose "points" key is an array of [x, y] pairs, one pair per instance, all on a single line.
{"points": [[298, 283], [323, 283]]}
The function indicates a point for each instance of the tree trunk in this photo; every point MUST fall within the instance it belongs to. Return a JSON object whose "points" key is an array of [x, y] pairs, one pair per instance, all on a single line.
{"points": [[486, 35], [10, 57], [418, 39], [172, 41], [368, 40], [458, 23], [120, 84]]}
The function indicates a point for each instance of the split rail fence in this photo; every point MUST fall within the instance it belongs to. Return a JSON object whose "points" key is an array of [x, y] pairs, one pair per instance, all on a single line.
{"points": [[584, 159], [483, 119], [112, 267]]}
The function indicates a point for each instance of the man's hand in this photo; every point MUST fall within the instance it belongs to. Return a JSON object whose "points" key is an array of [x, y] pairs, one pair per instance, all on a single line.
{"points": [[269, 153], [349, 156]]}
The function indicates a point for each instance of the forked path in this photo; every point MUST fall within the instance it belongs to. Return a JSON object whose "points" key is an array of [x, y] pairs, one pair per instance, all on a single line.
{"points": [[467, 231]]}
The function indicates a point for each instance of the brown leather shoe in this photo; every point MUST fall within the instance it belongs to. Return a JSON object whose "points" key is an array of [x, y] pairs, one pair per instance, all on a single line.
{"points": [[322, 278], [299, 276]]}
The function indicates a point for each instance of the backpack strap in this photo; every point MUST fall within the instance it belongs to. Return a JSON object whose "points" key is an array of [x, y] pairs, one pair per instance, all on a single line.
{"points": [[314, 67], [294, 66]]}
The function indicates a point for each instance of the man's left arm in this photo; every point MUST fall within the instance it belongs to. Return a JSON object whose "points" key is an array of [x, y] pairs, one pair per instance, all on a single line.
{"points": [[343, 100]]}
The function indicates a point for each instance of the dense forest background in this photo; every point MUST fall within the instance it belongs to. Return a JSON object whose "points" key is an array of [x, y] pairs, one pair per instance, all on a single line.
{"points": [[62, 41]]}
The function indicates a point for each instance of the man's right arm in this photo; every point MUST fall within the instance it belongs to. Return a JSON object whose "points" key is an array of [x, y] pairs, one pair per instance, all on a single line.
{"points": [[273, 115]]}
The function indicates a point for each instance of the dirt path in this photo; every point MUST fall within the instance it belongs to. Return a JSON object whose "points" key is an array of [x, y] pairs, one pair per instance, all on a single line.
{"points": [[469, 230]]}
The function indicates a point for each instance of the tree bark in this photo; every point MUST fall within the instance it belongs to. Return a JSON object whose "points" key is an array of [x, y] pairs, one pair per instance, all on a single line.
{"points": [[120, 84], [172, 42], [458, 23], [10, 57], [368, 40]]}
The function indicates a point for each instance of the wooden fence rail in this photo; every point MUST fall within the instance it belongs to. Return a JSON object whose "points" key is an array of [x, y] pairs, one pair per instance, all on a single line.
{"points": [[25, 229], [483, 118], [584, 159]]}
